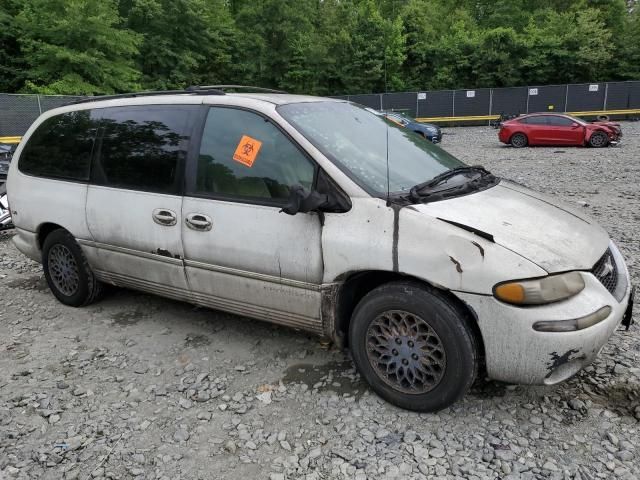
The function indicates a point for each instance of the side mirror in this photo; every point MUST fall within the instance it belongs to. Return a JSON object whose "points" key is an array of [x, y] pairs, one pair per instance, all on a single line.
{"points": [[575, 125], [302, 201], [326, 197]]}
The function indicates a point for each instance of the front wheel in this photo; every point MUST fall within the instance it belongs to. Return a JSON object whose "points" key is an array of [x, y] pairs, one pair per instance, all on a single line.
{"points": [[598, 140], [67, 271], [519, 140], [413, 346]]}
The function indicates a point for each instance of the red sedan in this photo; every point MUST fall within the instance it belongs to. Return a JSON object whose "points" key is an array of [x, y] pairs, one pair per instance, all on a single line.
{"points": [[557, 129]]}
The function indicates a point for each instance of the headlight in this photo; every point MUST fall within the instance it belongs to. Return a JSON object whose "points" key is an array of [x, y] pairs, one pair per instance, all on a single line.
{"points": [[541, 290]]}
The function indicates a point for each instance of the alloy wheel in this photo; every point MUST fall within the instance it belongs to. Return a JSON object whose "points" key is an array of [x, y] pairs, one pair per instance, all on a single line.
{"points": [[63, 269], [405, 352]]}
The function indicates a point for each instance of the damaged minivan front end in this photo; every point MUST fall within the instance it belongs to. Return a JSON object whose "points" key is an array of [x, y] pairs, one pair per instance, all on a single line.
{"points": [[466, 266], [542, 327]]}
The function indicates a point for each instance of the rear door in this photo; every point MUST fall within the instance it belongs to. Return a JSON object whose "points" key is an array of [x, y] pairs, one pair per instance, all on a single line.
{"points": [[134, 202], [536, 129], [241, 253]]}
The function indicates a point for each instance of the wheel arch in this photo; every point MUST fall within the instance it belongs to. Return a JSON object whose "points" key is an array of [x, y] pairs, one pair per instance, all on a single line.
{"points": [[353, 286], [44, 230], [516, 132]]}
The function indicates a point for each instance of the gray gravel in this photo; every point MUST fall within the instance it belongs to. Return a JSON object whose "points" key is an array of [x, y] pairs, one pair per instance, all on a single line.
{"points": [[137, 386]]}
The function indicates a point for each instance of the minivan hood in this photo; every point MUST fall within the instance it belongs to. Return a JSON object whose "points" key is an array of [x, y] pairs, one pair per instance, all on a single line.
{"points": [[553, 236]]}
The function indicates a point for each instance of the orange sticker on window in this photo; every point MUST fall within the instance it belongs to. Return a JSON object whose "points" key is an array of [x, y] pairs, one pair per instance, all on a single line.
{"points": [[247, 150]]}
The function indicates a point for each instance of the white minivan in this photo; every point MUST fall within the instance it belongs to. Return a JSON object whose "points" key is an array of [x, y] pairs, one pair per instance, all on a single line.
{"points": [[317, 214]]}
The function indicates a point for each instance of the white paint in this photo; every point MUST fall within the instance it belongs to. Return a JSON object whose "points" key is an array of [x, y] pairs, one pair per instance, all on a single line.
{"points": [[530, 224]]}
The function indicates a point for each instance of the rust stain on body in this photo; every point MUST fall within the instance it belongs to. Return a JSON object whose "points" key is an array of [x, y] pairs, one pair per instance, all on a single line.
{"points": [[456, 263], [479, 248]]}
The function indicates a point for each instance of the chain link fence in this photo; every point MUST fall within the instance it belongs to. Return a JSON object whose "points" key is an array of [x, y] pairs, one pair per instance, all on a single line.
{"points": [[17, 112]]}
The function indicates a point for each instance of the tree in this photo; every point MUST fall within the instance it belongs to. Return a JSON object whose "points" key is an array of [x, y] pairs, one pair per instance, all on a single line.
{"points": [[10, 56], [76, 47], [376, 51], [185, 42]]}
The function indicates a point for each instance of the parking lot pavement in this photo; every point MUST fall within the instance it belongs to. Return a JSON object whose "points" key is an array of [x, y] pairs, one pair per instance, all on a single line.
{"points": [[137, 386]]}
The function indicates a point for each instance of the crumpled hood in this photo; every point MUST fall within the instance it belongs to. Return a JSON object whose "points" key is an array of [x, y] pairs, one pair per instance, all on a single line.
{"points": [[553, 236]]}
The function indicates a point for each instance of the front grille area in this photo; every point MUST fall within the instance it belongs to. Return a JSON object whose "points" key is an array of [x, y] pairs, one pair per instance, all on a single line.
{"points": [[606, 271]]}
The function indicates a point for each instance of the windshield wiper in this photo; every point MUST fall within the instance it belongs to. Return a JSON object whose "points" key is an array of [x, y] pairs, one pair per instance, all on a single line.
{"points": [[424, 190]]}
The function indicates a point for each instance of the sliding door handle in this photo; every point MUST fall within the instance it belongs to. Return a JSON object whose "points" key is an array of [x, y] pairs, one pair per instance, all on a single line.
{"points": [[199, 222]]}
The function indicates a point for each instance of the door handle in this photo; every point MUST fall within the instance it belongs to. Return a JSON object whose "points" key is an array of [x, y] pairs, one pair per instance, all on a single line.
{"points": [[164, 217], [198, 221]]}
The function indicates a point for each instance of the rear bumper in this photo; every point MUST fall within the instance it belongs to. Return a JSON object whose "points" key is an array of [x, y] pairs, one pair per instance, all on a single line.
{"points": [[517, 353], [27, 243]]}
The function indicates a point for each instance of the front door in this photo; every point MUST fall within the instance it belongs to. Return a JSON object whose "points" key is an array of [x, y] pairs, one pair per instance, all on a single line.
{"points": [[564, 131], [134, 204], [241, 253]]}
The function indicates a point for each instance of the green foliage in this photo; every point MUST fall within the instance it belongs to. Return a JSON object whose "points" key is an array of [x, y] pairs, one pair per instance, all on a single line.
{"points": [[185, 42], [320, 47], [76, 46]]}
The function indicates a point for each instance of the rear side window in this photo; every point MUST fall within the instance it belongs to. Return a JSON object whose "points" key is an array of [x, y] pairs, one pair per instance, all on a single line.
{"points": [[559, 121], [541, 120], [143, 147], [61, 147]]}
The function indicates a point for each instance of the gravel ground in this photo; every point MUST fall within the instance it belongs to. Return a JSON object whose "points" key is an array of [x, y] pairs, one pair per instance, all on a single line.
{"points": [[137, 386]]}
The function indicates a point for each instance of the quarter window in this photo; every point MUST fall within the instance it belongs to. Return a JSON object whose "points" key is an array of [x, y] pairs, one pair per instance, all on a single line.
{"points": [[143, 147], [61, 147], [244, 155]]}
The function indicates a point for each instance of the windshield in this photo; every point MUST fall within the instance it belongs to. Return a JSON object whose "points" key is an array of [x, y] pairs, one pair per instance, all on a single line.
{"points": [[356, 141]]}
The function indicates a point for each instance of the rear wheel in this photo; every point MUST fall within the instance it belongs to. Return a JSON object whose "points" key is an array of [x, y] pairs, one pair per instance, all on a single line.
{"points": [[519, 140], [413, 346], [598, 140], [67, 272]]}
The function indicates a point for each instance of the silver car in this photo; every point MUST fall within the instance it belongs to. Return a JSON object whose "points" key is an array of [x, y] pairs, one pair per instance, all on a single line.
{"points": [[317, 214]]}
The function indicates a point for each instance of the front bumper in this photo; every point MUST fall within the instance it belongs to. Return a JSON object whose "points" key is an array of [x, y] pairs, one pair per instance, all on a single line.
{"points": [[516, 353]]}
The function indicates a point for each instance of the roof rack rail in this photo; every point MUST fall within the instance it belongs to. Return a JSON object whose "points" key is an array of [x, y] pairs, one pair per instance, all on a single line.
{"points": [[234, 87], [150, 93]]}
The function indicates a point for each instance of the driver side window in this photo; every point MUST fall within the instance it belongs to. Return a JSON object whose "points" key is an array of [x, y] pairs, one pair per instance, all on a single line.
{"points": [[245, 156]]}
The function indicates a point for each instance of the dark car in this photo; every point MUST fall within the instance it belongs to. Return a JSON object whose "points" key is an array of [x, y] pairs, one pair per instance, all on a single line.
{"points": [[6, 152], [427, 130], [558, 129]]}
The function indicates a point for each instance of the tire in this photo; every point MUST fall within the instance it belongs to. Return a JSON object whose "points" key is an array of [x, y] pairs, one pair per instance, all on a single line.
{"points": [[67, 271], [519, 140], [603, 118], [598, 139], [448, 370]]}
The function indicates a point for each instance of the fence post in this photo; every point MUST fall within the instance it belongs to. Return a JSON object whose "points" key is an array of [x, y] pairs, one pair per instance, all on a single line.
{"points": [[528, 90], [566, 97], [606, 92], [490, 105], [453, 104], [380, 95], [39, 104]]}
